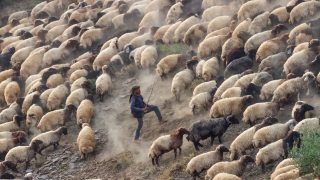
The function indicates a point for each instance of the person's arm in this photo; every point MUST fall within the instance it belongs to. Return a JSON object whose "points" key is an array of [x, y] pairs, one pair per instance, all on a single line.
{"points": [[132, 106]]}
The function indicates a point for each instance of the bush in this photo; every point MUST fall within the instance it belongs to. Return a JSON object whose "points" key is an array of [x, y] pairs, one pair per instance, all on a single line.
{"points": [[92, 89], [173, 48], [307, 156]]}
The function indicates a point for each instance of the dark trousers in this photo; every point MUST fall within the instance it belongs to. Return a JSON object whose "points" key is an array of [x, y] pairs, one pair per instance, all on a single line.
{"points": [[140, 120]]}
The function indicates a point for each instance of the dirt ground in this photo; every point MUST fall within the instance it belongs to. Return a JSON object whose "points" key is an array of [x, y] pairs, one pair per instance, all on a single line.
{"points": [[118, 157]]}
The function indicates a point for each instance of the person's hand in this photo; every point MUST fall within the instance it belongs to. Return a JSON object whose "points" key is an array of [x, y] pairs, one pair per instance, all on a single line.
{"points": [[150, 105], [144, 109]]}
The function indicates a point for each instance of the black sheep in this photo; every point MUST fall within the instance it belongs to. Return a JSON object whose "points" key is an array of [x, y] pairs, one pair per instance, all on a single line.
{"points": [[203, 129], [6, 57], [299, 113], [191, 6], [238, 66], [121, 59], [234, 54], [313, 66], [251, 89]]}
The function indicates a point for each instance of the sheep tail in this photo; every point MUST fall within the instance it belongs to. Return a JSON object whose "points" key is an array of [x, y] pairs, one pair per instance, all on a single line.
{"points": [[86, 150]]}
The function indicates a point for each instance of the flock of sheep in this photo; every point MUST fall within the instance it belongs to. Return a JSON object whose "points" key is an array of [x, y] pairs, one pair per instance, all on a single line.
{"points": [[48, 55]]}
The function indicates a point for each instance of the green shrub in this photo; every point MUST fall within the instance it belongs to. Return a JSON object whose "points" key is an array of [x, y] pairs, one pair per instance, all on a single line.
{"points": [[307, 156], [92, 89]]}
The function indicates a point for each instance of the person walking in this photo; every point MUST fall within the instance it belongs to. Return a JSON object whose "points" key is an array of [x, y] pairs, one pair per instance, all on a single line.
{"points": [[139, 108]]}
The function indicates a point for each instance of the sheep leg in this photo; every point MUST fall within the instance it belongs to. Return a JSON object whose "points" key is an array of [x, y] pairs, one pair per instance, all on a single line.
{"points": [[212, 139], [308, 92], [157, 160], [14, 169], [27, 164], [196, 146], [175, 154], [263, 168], [219, 137], [179, 151], [152, 159], [251, 123]]}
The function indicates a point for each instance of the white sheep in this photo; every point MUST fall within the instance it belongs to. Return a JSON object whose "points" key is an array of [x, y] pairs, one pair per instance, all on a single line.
{"points": [[304, 10], [204, 87], [307, 125], [15, 108], [183, 27], [9, 135], [258, 23], [272, 133], [78, 95], [201, 101], [293, 174], [215, 11], [212, 46], [210, 68], [57, 96], [85, 110], [12, 90], [226, 176], [86, 140], [174, 12], [103, 83], [204, 161], [281, 171], [104, 56], [168, 36], [219, 22], [13, 125]]}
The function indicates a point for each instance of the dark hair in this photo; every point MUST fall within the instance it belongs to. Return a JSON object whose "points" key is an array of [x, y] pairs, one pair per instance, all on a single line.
{"points": [[132, 91]]}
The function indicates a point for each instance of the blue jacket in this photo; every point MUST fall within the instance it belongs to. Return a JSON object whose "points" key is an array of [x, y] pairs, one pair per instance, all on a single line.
{"points": [[136, 106]]}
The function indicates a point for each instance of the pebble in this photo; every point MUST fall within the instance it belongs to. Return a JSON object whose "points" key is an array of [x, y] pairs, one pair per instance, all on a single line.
{"points": [[44, 177], [28, 171], [55, 160]]}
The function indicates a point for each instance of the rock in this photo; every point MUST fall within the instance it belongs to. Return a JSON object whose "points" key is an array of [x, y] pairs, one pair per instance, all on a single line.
{"points": [[55, 160], [28, 171], [74, 160], [107, 108], [44, 177], [71, 165], [128, 81]]}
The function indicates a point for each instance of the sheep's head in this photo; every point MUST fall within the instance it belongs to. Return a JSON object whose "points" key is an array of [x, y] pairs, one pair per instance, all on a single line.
{"points": [[289, 8], [67, 84], [14, 22], [191, 63], [64, 70], [90, 98], [35, 145], [308, 76], [244, 35], [306, 107], [174, 13], [42, 34], [273, 19], [16, 67], [314, 43], [19, 101], [284, 37], [247, 99], [269, 121], [9, 165], [36, 98], [21, 140], [293, 137], [39, 44], [180, 132], [17, 119], [63, 130], [26, 35], [221, 148], [246, 159], [72, 44], [232, 119], [18, 133], [85, 85], [128, 48], [71, 108], [213, 91]]}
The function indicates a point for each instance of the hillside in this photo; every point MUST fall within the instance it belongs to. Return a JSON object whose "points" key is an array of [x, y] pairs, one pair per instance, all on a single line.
{"points": [[116, 156]]}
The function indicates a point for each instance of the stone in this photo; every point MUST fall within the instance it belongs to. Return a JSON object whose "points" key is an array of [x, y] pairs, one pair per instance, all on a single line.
{"points": [[28, 171], [55, 160], [44, 177]]}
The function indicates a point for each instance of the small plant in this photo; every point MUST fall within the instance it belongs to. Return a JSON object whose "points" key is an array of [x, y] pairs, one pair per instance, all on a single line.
{"points": [[123, 161], [92, 89], [173, 48], [37, 163], [307, 156]]}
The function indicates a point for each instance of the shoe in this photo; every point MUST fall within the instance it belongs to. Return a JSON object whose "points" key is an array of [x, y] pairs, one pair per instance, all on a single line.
{"points": [[163, 121]]}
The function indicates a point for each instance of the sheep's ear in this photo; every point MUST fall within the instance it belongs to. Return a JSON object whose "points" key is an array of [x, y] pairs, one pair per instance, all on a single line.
{"points": [[127, 50], [289, 51], [291, 126], [306, 78]]}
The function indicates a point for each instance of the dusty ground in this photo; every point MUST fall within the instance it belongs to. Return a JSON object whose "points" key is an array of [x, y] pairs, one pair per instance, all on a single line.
{"points": [[116, 156]]}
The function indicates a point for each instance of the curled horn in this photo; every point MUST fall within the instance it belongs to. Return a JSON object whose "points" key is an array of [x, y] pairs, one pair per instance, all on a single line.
{"points": [[227, 119]]}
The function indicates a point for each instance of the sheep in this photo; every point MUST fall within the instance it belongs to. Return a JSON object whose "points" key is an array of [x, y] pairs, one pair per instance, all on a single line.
{"points": [[238, 66], [184, 26], [234, 54], [244, 81], [56, 79], [262, 78], [212, 45], [121, 59], [293, 174], [80, 63], [78, 95], [35, 10], [226, 176], [281, 171], [55, 54], [210, 68], [301, 110], [195, 34], [86, 140], [229, 82], [257, 39], [243, 141], [128, 19], [268, 88], [34, 113], [10, 135], [149, 56], [155, 18], [168, 36], [94, 35], [272, 133], [251, 89], [55, 118], [33, 63], [237, 167], [219, 22], [199, 67], [207, 86], [70, 32], [103, 83], [295, 31], [32, 41], [85, 111], [208, 3], [105, 55], [183, 79], [216, 11], [28, 98], [262, 110], [301, 57], [83, 72], [22, 154], [167, 143], [8, 73], [303, 10], [15, 108], [174, 13], [280, 15], [57, 96], [50, 138], [259, 23], [233, 43], [7, 144], [234, 106], [272, 46], [8, 27], [13, 125], [284, 163], [204, 161], [21, 55], [292, 86], [307, 125], [5, 58], [277, 149], [276, 60], [203, 129], [201, 101], [223, 31], [3, 166], [313, 66], [12, 90]]}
